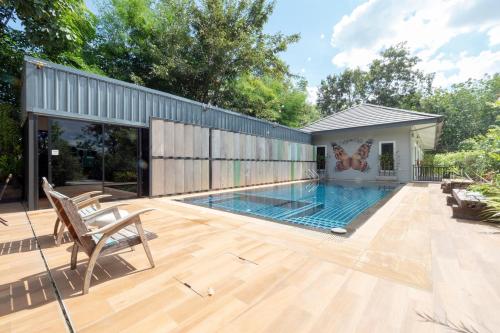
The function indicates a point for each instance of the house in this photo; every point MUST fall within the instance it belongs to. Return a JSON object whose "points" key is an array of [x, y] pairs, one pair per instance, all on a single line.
{"points": [[87, 132], [372, 142]]}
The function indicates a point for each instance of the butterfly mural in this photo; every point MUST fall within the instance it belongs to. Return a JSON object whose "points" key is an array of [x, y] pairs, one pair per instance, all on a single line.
{"points": [[358, 160]]}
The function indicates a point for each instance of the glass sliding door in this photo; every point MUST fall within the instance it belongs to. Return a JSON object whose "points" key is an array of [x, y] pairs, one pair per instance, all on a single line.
{"points": [[120, 161], [75, 156], [78, 157]]}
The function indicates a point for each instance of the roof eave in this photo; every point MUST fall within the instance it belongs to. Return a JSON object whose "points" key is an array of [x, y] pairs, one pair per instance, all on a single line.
{"points": [[436, 120]]}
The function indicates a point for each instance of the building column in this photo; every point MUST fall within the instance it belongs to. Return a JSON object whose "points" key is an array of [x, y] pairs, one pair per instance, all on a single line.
{"points": [[32, 162]]}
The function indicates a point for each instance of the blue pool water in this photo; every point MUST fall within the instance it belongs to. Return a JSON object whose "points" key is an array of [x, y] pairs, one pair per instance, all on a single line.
{"points": [[314, 205]]}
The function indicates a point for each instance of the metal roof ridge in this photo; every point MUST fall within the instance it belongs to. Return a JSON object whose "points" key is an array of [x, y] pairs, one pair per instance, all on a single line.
{"points": [[404, 110], [333, 114]]}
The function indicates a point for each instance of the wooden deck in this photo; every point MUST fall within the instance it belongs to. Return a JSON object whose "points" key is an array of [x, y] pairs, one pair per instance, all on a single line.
{"points": [[409, 268]]}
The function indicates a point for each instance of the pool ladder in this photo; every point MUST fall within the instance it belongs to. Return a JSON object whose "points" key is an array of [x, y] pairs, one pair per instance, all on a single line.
{"points": [[312, 173]]}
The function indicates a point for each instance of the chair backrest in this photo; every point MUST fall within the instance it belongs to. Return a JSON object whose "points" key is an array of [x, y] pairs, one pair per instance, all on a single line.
{"points": [[67, 212], [5, 185], [47, 188]]}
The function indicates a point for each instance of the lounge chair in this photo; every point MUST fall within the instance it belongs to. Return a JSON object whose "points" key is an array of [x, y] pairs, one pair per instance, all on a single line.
{"points": [[4, 188], [122, 233], [87, 203], [447, 185], [467, 204]]}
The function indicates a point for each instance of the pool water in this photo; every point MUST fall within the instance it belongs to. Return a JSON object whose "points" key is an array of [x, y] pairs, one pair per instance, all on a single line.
{"points": [[315, 205]]}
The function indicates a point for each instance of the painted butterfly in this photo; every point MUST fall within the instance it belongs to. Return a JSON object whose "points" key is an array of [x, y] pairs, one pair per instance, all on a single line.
{"points": [[357, 161]]}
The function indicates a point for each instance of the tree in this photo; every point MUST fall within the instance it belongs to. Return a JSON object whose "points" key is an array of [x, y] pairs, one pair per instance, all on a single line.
{"points": [[278, 100], [213, 51], [469, 109], [196, 49], [391, 80], [394, 81], [56, 30], [341, 91]]}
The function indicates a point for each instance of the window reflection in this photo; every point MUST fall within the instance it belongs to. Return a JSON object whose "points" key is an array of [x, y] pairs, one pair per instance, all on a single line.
{"points": [[76, 156], [120, 161]]}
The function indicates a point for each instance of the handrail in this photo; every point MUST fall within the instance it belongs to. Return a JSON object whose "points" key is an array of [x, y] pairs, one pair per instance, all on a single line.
{"points": [[313, 173]]}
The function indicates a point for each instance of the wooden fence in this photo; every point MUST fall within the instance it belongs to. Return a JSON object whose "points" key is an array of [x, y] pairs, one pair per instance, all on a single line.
{"points": [[187, 158]]}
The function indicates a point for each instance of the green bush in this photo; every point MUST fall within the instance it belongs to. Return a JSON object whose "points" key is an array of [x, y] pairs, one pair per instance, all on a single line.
{"points": [[492, 193], [10, 143], [480, 157]]}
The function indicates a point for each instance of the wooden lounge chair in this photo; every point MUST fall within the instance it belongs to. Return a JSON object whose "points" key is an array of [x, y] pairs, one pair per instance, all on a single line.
{"points": [[87, 203], [449, 184], [123, 233], [467, 204], [4, 188]]}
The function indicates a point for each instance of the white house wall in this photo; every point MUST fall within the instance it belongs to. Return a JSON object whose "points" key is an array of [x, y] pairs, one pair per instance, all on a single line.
{"points": [[351, 140]]}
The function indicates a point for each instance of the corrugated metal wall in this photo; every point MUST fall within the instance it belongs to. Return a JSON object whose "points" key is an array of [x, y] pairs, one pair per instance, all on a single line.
{"points": [[57, 90]]}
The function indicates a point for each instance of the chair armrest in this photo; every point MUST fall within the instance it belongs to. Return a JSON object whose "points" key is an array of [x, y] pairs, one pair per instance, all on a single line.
{"points": [[84, 196], [91, 200], [120, 224], [103, 211]]}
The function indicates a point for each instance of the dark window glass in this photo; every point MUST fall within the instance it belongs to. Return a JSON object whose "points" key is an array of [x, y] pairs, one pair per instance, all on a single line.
{"points": [[144, 161], [75, 156], [387, 156], [120, 161], [320, 158]]}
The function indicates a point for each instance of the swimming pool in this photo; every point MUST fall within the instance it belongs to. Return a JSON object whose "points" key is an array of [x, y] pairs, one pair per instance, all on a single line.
{"points": [[322, 206]]}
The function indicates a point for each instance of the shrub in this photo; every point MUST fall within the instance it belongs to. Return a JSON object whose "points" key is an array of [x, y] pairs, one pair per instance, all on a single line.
{"points": [[480, 157]]}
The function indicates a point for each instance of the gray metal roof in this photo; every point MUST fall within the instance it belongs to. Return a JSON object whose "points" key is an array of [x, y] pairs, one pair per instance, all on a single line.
{"points": [[368, 115], [55, 90]]}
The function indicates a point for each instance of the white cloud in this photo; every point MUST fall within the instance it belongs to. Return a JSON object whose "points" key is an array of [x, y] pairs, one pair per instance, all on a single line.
{"points": [[356, 57], [426, 25], [303, 70], [473, 67], [322, 36], [312, 94], [494, 35], [309, 59]]}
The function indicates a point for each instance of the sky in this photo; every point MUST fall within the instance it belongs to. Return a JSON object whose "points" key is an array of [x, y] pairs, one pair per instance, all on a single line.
{"points": [[455, 39]]}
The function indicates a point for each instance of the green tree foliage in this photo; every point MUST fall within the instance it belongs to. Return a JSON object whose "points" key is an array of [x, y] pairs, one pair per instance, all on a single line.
{"points": [[10, 143], [57, 30], [277, 100], [196, 49], [392, 80], [480, 155], [341, 91], [469, 109]]}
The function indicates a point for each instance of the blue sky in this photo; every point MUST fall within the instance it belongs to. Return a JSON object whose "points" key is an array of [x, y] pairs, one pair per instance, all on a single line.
{"points": [[456, 39]]}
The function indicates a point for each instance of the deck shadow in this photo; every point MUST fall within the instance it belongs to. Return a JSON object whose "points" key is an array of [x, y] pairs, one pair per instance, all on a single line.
{"points": [[29, 244], [36, 290]]}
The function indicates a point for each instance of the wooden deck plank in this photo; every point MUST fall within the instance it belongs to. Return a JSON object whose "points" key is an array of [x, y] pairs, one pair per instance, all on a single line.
{"points": [[411, 258]]}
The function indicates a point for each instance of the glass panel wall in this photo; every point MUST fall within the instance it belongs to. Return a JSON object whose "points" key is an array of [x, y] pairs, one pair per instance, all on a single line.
{"points": [[120, 161], [75, 156], [78, 157]]}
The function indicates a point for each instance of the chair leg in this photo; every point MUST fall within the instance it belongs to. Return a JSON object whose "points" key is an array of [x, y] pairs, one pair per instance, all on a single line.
{"points": [[60, 234], [74, 256], [144, 241], [91, 264], [56, 227]]}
